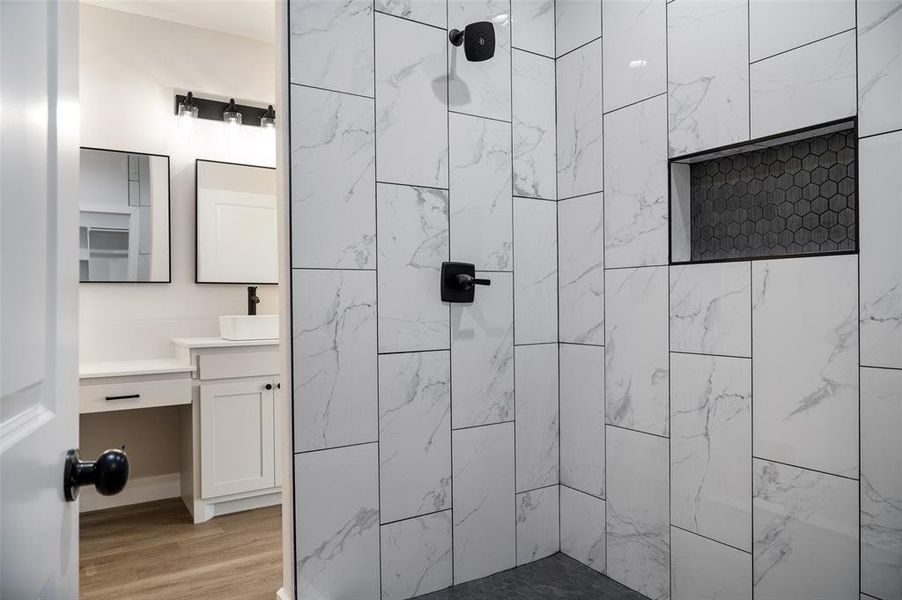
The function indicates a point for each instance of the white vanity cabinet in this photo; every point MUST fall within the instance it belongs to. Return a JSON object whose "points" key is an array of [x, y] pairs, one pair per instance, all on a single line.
{"points": [[229, 432]]}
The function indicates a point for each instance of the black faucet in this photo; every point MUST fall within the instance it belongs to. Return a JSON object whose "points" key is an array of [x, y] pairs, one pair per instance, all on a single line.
{"points": [[252, 300]]}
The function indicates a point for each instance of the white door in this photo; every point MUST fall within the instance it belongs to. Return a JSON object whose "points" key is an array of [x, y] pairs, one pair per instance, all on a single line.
{"points": [[237, 438], [38, 296]]}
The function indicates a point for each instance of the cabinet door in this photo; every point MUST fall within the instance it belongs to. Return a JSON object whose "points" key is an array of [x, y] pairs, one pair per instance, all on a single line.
{"points": [[237, 445]]}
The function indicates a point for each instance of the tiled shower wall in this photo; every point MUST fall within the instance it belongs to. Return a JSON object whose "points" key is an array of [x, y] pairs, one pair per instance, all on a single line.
{"points": [[728, 430], [715, 430], [415, 465]]}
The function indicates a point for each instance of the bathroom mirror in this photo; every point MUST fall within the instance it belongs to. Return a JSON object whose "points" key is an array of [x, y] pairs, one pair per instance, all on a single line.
{"points": [[236, 223], [123, 221]]}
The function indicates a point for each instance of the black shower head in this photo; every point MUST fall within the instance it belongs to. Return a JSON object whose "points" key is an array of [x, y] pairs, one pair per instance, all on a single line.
{"points": [[478, 40]]}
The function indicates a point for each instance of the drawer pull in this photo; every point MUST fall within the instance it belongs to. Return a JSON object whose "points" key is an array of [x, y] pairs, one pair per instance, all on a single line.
{"points": [[124, 397]]}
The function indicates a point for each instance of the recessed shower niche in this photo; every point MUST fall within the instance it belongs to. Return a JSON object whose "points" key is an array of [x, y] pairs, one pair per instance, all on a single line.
{"points": [[787, 195]]}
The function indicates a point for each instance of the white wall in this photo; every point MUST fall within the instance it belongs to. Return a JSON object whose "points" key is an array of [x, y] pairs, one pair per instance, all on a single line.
{"points": [[131, 67]]}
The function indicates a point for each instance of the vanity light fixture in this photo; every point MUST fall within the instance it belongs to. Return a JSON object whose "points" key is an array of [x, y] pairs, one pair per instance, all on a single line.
{"points": [[189, 105], [231, 114], [187, 108], [268, 120]]}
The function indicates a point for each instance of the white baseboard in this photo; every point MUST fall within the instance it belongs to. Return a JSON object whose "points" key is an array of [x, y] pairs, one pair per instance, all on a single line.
{"points": [[142, 489]]}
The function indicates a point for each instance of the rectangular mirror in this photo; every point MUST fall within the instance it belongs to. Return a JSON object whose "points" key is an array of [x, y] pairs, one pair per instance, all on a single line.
{"points": [[123, 221], [236, 223]]}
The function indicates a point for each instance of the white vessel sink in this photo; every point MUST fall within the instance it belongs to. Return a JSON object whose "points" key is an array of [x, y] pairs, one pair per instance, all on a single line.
{"points": [[247, 327]]}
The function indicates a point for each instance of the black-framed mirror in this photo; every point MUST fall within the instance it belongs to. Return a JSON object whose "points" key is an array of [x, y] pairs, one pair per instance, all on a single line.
{"points": [[236, 228], [124, 217]]}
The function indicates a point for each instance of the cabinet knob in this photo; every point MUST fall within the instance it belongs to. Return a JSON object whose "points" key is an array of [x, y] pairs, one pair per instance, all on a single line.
{"points": [[268, 386], [279, 386]]}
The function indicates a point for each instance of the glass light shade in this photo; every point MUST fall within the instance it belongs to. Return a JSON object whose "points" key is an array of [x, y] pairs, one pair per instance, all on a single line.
{"points": [[268, 122], [232, 117], [187, 110]]}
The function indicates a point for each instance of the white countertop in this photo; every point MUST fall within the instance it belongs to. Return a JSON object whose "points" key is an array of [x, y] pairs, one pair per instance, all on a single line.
{"points": [[124, 368], [218, 342]]}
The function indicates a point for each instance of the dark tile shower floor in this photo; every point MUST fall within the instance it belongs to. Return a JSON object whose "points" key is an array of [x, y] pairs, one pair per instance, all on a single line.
{"points": [[552, 578]]}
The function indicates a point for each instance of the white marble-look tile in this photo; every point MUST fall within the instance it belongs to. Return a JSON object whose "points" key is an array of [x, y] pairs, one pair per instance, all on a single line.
{"points": [[414, 434], [484, 515], [481, 203], [806, 86], [538, 520], [482, 355], [481, 88], [411, 103], [711, 308], [535, 257], [579, 140], [538, 454], [532, 26], [711, 447], [577, 22], [583, 528], [581, 264], [334, 341], [879, 222], [708, 74], [638, 528], [334, 222], [635, 51], [879, 66], [331, 44], [635, 167], [535, 158], [433, 12], [778, 25], [806, 533], [805, 352], [582, 418], [705, 570], [336, 520], [636, 355], [881, 483], [416, 556], [412, 225]]}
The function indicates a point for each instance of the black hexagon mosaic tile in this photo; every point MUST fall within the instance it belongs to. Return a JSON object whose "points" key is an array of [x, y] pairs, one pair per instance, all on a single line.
{"points": [[794, 198], [557, 577]]}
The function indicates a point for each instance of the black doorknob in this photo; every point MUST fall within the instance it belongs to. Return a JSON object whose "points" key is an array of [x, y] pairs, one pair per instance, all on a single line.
{"points": [[108, 474], [268, 386]]}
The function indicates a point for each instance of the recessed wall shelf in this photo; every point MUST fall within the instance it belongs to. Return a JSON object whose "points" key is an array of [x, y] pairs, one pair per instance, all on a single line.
{"points": [[789, 195]]}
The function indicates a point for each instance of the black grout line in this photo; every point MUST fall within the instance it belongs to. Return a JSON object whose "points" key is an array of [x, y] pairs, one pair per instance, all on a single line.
{"points": [[341, 447], [580, 196], [324, 89], [534, 344], [635, 267], [532, 52], [583, 344], [786, 464], [465, 427], [412, 351], [832, 35], [580, 47], [583, 492], [752, 407], [871, 135], [474, 116], [380, 12], [428, 514], [669, 304], [710, 539], [710, 355], [450, 329], [413, 185], [657, 435], [536, 489], [613, 110], [875, 366], [557, 250]]}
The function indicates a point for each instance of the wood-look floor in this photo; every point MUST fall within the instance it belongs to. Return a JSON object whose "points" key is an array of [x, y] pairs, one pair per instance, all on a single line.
{"points": [[154, 551]]}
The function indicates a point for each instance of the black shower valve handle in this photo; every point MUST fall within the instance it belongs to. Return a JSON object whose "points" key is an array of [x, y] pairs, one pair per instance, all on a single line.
{"points": [[465, 281]]}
